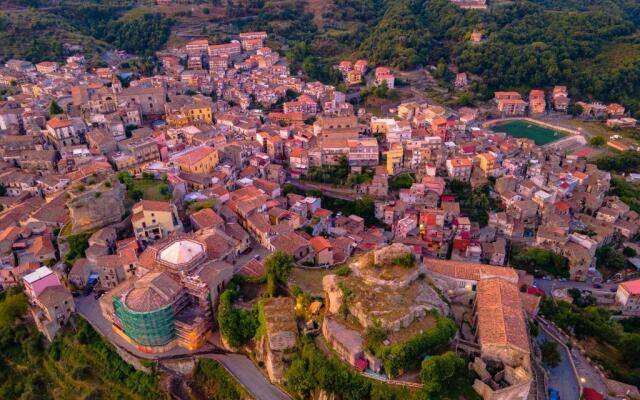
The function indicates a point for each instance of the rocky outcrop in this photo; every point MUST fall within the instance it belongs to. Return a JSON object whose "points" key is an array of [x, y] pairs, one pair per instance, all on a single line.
{"points": [[95, 205], [386, 255], [333, 293]]}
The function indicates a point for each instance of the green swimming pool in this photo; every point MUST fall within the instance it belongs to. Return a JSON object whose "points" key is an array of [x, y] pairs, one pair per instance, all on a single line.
{"points": [[525, 129]]}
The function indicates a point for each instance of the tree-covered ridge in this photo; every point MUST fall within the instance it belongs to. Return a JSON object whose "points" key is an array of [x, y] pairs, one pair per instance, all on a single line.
{"points": [[93, 24], [79, 364]]}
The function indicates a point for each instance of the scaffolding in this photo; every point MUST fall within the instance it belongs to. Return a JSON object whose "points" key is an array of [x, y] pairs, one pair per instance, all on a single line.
{"points": [[152, 328]]}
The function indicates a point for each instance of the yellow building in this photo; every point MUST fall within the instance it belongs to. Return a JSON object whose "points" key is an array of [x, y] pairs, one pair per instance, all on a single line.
{"points": [[354, 78], [154, 220], [394, 158], [487, 163], [197, 160], [185, 110]]}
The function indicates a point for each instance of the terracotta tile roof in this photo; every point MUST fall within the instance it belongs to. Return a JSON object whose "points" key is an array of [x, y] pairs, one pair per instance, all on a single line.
{"points": [[289, 243], [319, 243], [153, 291], [195, 155], [253, 268], [153, 205], [41, 246], [501, 319], [633, 287], [54, 295], [57, 123], [206, 218], [469, 271]]}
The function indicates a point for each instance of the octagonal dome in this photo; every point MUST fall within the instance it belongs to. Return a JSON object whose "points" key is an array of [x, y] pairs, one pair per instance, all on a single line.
{"points": [[181, 253]]}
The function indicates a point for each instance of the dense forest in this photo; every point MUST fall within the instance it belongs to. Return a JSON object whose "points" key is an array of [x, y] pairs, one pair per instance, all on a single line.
{"points": [[93, 24]]}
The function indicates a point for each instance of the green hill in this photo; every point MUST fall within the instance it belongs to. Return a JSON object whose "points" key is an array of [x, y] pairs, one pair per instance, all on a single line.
{"points": [[37, 32]]}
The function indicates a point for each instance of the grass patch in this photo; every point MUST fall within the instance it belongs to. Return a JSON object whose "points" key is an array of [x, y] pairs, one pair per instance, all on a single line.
{"points": [[151, 189], [309, 280]]}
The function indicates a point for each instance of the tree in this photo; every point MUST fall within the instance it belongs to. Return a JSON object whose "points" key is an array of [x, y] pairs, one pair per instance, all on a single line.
{"points": [[137, 194], [12, 307], [609, 260], [597, 141], [237, 326], [215, 382], [277, 266], [575, 110], [631, 346], [550, 353], [537, 260], [3, 190], [54, 108], [629, 252], [443, 375]]}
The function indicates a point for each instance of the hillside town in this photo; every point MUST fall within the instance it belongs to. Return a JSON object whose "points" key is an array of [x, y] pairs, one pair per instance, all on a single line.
{"points": [[136, 202]]}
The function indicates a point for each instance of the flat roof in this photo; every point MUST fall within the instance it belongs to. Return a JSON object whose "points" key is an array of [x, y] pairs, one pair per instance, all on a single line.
{"points": [[38, 274]]}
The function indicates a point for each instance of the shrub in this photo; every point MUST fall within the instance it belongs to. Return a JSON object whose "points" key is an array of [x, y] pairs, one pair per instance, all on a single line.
{"points": [[407, 355], [407, 260], [345, 270], [237, 326]]}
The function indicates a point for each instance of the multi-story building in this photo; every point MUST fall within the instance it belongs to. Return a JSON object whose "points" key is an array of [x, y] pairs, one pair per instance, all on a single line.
{"points": [[363, 152], [628, 297], [385, 75], [154, 220], [150, 99], [229, 49], [537, 103], [140, 150], [197, 47], [510, 103], [198, 160], [394, 158], [171, 303], [299, 159], [51, 303], [185, 110], [487, 163], [560, 98], [395, 131], [63, 132], [459, 168]]}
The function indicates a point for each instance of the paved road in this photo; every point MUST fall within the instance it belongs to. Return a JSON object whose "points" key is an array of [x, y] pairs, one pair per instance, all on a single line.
{"points": [[562, 377], [256, 250], [588, 375], [549, 285], [249, 376]]}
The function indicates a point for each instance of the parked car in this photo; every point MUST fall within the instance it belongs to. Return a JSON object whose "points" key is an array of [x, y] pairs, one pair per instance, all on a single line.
{"points": [[597, 286], [554, 394]]}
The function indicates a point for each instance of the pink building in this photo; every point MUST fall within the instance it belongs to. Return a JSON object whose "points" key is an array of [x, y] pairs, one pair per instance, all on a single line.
{"points": [[37, 281]]}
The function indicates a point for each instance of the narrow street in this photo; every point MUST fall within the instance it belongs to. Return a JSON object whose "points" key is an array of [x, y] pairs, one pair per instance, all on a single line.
{"points": [[548, 285], [587, 374], [562, 378], [249, 376]]}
